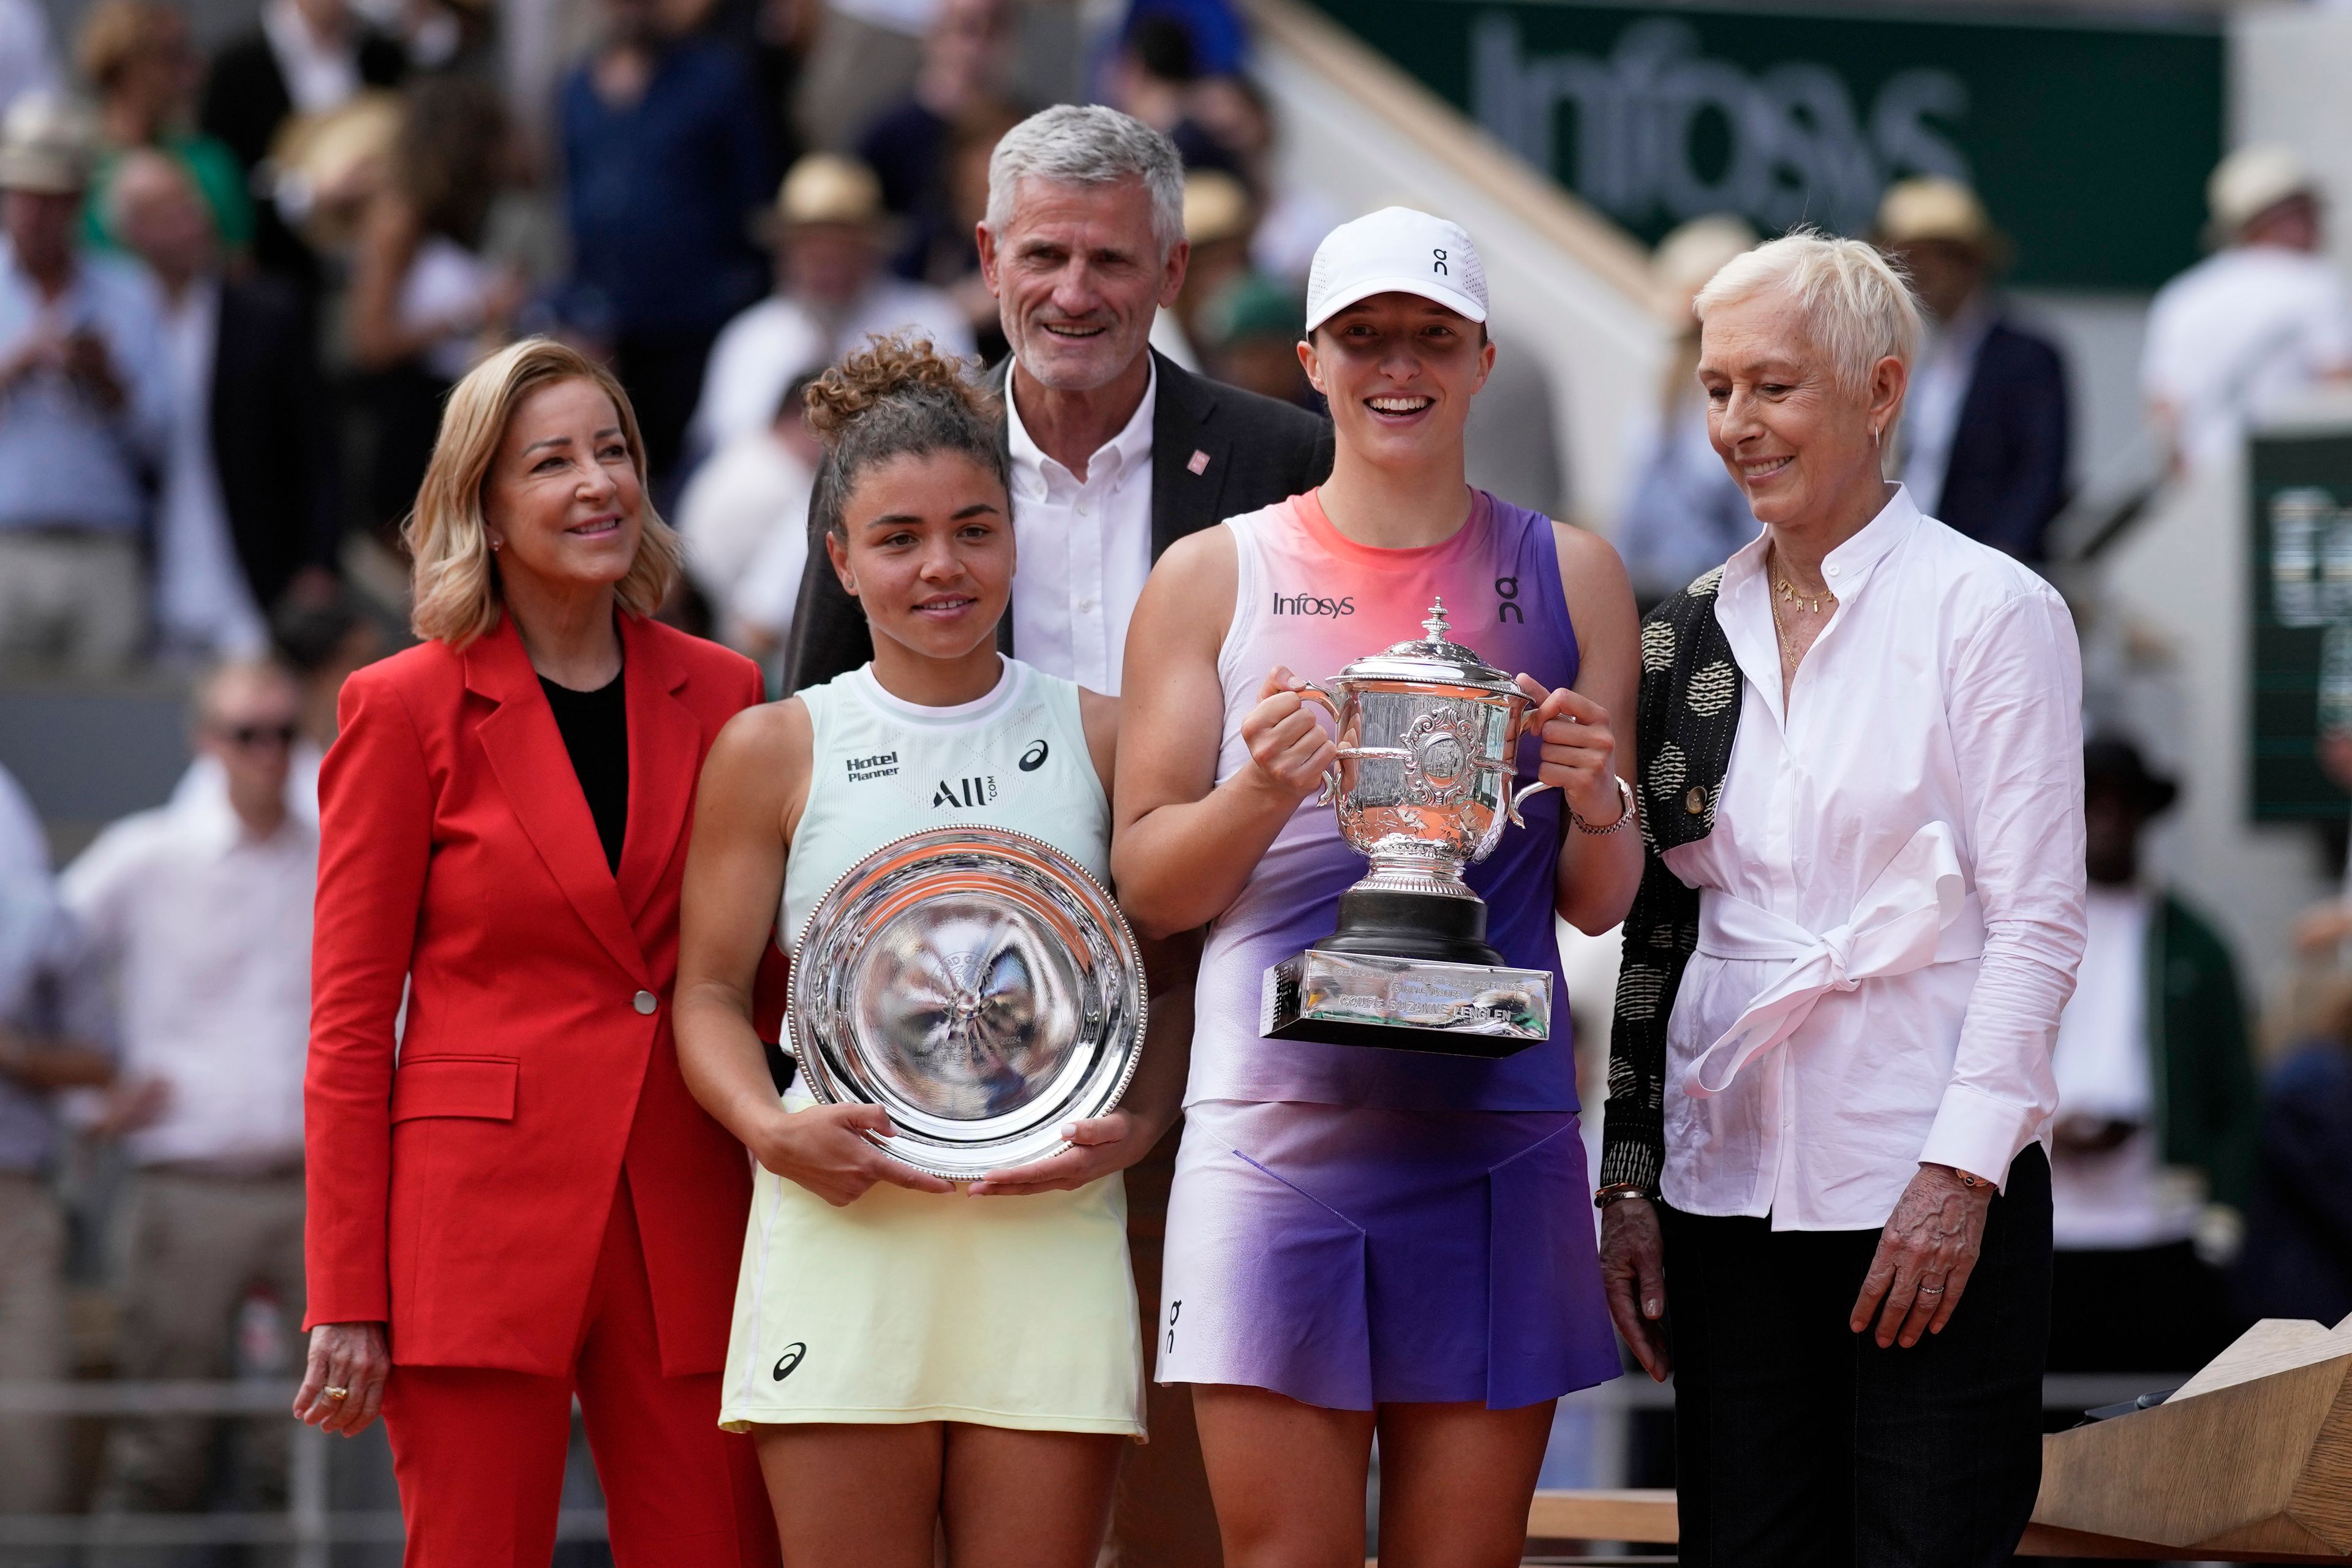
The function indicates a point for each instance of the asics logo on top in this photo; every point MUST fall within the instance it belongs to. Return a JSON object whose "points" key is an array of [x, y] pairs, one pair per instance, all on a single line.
{"points": [[1035, 757]]}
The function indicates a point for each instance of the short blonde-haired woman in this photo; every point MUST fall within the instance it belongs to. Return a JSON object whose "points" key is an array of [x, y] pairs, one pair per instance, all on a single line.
{"points": [[1825, 1181], [513, 1198]]}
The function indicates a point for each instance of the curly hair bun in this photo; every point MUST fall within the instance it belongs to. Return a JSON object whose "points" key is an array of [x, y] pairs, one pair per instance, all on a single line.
{"points": [[889, 369]]}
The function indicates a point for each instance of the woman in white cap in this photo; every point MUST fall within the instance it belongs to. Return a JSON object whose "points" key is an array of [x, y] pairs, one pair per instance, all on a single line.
{"points": [[1826, 1199], [1373, 1241]]}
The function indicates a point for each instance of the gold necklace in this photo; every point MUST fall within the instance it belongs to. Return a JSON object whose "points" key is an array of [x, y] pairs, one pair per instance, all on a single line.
{"points": [[1812, 603], [1791, 655]]}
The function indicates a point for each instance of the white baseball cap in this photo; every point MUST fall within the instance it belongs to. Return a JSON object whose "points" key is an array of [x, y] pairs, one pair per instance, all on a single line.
{"points": [[1396, 250]]}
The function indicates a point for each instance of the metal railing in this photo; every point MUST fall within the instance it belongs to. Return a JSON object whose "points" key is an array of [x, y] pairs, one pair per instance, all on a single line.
{"points": [[308, 1523], [310, 1526]]}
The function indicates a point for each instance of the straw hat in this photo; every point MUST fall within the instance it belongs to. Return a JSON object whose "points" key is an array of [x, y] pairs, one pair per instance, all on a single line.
{"points": [[1217, 206], [2253, 180], [828, 188], [1928, 209], [46, 145], [1695, 251]]}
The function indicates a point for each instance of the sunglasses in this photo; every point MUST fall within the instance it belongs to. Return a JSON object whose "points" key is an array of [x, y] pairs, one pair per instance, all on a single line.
{"points": [[248, 736]]}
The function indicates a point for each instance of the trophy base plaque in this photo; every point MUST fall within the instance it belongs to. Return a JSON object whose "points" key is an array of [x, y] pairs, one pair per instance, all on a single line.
{"points": [[1404, 1004]]}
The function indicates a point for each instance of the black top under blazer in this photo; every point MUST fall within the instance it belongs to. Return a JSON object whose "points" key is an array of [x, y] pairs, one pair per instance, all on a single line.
{"points": [[1259, 451]]}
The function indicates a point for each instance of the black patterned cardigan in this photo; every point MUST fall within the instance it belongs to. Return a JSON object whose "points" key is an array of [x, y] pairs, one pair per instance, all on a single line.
{"points": [[1685, 716]]}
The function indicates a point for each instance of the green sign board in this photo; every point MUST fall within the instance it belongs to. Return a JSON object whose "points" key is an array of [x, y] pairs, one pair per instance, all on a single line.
{"points": [[2301, 619], [2090, 142]]}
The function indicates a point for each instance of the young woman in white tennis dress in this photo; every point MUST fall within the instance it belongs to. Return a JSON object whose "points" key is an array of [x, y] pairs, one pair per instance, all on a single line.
{"points": [[912, 1360]]}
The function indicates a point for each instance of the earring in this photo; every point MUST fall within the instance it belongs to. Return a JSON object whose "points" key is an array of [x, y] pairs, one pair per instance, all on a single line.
{"points": [[495, 544]]}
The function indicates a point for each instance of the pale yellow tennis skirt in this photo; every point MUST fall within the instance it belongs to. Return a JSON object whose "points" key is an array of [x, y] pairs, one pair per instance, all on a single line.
{"points": [[905, 1306]]}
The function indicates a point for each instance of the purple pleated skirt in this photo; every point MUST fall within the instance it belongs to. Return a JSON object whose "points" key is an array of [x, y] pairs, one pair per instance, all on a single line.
{"points": [[1351, 1257]]}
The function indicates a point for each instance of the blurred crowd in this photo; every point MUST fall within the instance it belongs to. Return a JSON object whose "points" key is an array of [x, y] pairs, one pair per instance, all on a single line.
{"points": [[234, 291]]}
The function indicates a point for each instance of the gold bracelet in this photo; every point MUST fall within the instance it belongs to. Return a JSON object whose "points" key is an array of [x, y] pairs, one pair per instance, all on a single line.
{"points": [[1617, 1192]]}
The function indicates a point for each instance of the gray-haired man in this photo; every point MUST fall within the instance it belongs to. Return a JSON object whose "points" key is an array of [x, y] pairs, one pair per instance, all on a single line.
{"points": [[1117, 452]]}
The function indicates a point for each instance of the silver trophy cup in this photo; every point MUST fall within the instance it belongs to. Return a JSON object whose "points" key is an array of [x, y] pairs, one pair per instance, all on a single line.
{"points": [[1425, 785]]}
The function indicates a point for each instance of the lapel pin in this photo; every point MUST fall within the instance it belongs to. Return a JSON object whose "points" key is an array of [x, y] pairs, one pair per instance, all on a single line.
{"points": [[1199, 463]]}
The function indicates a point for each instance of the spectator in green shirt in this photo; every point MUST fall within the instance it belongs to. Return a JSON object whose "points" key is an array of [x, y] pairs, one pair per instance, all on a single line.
{"points": [[139, 62]]}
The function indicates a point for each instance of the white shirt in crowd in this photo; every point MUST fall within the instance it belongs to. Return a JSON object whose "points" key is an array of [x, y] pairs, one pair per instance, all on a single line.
{"points": [[744, 516], [2119, 1197], [912, 17], [206, 781], [27, 60], [761, 350], [2244, 334], [1903, 844], [30, 926], [1085, 547], [206, 930], [1939, 389], [202, 599], [319, 75], [447, 283]]}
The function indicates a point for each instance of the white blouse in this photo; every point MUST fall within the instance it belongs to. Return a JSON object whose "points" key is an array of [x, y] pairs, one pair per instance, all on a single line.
{"points": [[1892, 898]]}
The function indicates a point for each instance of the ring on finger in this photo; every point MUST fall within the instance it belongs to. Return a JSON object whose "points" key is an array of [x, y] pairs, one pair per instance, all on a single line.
{"points": [[335, 1394], [1931, 1289]]}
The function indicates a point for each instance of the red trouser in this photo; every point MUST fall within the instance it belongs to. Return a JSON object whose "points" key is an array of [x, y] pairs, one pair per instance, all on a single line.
{"points": [[480, 1453]]}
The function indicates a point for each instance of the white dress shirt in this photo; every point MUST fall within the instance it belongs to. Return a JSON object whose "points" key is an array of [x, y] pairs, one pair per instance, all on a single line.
{"points": [[1891, 905], [2123, 1196], [758, 352], [2246, 332], [1085, 547], [207, 932], [202, 599], [30, 922], [744, 516], [1940, 390], [320, 76]]}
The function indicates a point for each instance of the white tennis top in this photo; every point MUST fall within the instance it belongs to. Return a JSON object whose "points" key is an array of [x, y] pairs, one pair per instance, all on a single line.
{"points": [[881, 769]]}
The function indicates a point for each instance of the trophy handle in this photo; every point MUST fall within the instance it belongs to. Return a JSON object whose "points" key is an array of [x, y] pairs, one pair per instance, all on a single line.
{"points": [[1311, 693], [1516, 795], [1513, 794]]}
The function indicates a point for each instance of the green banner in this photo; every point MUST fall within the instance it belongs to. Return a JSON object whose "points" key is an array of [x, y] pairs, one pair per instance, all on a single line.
{"points": [[2301, 618], [2090, 142]]}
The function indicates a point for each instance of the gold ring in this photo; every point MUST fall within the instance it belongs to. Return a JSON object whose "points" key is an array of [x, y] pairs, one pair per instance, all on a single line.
{"points": [[337, 1394]]}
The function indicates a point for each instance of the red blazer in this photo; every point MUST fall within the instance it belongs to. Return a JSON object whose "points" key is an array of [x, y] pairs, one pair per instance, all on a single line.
{"points": [[459, 1182]]}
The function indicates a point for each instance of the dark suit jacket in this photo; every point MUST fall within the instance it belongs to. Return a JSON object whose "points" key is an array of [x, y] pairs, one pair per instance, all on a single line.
{"points": [[1259, 451], [245, 102], [273, 444], [2007, 476]]}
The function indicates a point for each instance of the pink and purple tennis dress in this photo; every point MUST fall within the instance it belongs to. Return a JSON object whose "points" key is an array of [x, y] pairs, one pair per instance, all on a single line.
{"points": [[1354, 1226]]}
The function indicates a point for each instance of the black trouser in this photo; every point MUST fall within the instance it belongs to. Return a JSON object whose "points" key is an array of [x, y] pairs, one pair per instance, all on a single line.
{"points": [[1800, 1442]]}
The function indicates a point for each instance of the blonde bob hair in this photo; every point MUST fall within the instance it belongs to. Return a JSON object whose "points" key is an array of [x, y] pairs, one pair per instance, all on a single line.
{"points": [[455, 576], [1858, 307]]}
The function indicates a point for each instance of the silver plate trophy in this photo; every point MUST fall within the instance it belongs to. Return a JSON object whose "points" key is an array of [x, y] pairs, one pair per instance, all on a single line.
{"points": [[978, 985], [1429, 736]]}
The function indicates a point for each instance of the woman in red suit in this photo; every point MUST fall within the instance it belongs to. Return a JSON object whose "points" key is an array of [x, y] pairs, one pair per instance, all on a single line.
{"points": [[512, 1197]]}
